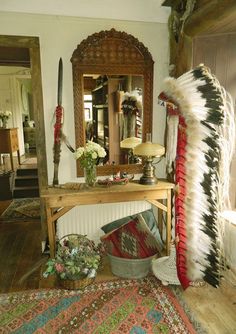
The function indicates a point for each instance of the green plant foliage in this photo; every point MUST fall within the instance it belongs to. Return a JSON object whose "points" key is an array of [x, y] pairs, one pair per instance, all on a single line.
{"points": [[77, 257]]}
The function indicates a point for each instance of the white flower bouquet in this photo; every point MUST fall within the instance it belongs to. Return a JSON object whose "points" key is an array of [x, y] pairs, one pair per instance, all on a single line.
{"points": [[90, 155], [4, 116]]}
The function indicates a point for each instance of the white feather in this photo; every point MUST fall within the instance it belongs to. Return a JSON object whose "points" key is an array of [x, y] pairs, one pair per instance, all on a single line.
{"points": [[185, 93]]}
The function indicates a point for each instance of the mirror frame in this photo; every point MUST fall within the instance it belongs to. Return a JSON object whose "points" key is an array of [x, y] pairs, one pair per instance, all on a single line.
{"points": [[111, 52]]}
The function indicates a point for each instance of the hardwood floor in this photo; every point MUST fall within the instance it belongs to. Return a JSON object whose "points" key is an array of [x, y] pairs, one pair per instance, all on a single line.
{"points": [[215, 308], [20, 251]]}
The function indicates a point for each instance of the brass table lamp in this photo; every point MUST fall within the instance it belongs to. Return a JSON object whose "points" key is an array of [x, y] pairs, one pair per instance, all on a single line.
{"points": [[148, 151]]}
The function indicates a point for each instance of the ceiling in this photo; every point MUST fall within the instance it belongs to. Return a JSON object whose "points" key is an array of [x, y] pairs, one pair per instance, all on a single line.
{"points": [[132, 10]]}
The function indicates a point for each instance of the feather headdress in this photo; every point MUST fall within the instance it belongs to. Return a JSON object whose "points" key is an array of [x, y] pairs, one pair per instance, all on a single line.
{"points": [[206, 138]]}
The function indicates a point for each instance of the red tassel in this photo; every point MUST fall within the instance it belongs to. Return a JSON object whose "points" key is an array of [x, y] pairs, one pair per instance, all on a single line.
{"points": [[58, 124]]}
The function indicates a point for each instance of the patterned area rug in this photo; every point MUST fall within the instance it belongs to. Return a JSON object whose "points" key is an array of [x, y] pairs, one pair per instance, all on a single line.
{"points": [[141, 306], [23, 208]]}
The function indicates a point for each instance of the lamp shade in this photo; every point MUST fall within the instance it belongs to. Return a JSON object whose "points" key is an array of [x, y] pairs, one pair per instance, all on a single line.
{"points": [[149, 149], [130, 142]]}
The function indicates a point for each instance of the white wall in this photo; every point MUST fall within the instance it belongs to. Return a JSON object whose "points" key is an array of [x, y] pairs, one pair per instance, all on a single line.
{"points": [[59, 37], [131, 10]]}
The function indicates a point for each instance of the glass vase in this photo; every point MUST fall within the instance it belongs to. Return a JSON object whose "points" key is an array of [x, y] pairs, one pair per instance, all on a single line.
{"points": [[90, 175], [4, 122]]}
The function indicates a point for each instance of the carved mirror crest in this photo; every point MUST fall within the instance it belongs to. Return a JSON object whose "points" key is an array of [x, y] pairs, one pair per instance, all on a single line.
{"points": [[113, 96]]}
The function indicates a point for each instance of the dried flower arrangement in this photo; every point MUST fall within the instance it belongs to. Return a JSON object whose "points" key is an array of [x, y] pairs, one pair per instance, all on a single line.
{"points": [[76, 258]]}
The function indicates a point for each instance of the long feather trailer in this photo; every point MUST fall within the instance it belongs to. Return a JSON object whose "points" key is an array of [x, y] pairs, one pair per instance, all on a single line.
{"points": [[206, 137]]}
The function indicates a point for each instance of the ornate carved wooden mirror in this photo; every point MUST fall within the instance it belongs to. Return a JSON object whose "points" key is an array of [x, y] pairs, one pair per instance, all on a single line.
{"points": [[110, 67]]}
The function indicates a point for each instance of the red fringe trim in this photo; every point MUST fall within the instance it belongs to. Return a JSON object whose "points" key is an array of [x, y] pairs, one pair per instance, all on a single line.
{"points": [[58, 124]]}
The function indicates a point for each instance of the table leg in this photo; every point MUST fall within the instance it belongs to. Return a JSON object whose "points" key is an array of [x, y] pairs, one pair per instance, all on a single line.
{"points": [[160, 220], [168, 223], [12, 163], [18, 155], [51, 232]]}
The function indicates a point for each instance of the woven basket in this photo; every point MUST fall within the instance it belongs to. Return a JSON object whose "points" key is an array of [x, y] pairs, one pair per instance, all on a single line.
{"points": [[75, 284]]}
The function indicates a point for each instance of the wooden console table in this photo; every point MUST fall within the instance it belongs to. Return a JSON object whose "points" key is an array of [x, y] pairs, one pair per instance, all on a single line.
{"points": [[9, 143], [58, 201]]}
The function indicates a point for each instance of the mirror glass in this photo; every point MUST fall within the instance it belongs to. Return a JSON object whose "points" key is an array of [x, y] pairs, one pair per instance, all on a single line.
{"points": [[113, 115], [113, 97]]}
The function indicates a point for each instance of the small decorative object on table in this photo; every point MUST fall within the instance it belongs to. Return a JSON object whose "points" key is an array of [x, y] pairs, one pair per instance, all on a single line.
{"points": [[76, 262], [89, 157], [116, 179], [4, 116]]}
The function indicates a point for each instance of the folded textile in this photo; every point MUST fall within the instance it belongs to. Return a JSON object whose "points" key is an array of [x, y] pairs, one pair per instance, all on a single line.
{"points": [[132, 240]]}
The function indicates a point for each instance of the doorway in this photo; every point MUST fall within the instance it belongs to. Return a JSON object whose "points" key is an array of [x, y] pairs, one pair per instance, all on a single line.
{"points": [[16, 100], [18, 48]]}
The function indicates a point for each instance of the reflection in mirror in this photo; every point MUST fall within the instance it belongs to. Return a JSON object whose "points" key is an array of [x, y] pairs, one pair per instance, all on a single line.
{"points": [[113, 107], [113, 95]]}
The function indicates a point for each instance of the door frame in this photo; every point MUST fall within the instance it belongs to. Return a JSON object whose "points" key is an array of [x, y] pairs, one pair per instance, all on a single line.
{"points": [[32, 43]]}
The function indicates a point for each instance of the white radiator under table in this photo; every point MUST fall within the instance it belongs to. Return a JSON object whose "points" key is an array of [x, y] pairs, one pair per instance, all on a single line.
{"points": [[88, 219]]}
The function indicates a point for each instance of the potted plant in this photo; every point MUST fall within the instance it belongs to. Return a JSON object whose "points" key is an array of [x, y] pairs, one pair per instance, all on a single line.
{"points": [[76, 262]]}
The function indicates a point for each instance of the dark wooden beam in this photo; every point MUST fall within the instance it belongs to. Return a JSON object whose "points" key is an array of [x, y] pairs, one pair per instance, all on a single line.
{"points": [[209, 15], [12, 56]]}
